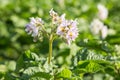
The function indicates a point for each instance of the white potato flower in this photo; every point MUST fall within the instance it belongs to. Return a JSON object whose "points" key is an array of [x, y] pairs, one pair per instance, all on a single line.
{"points": [[102, 12], [34, 26], [98, 28]]}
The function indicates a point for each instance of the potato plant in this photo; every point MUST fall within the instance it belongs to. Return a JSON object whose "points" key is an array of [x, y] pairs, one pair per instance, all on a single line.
{"points": [[59, 40]]}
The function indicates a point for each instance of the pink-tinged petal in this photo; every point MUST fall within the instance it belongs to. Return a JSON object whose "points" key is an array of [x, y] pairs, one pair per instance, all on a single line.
{"points": [[61, 19], [34, 26]]}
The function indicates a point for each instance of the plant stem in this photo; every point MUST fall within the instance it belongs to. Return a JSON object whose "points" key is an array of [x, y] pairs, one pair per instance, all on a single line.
{"points": [[50, 48]]}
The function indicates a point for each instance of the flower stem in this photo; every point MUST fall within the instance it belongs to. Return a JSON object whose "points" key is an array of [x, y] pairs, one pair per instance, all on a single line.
{"points": [[50, 48]]}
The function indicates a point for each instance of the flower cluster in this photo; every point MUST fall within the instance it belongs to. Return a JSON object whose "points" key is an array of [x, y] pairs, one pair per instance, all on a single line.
{"points": [[56, 19], [102, 12], [34, 27], [98, 28], [67, 29]]}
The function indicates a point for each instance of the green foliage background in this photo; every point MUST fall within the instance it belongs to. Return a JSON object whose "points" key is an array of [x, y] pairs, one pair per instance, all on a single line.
{"points": [[88, 58]]}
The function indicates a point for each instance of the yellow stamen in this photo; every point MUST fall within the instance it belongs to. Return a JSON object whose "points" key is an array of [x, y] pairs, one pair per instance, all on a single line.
{"points": [[70, 34], [62, 29]]}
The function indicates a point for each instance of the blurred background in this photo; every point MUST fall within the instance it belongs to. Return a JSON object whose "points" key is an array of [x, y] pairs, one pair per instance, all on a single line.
{"points": [[15, 14]]}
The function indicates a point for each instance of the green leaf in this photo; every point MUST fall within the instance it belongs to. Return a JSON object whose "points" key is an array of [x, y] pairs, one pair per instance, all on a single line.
{"points": [[65, 73], [28, 55], [35, 72], [110, 70], [96, 45], [20, 63], [79, 72], [1, 74], [27, 59], [8, 76], [11, 65], [92, 66], [42, 75]]}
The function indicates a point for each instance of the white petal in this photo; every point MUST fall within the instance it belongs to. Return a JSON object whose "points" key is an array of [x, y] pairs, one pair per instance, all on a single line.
{"points": [[104, 32], [102, 12]]}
